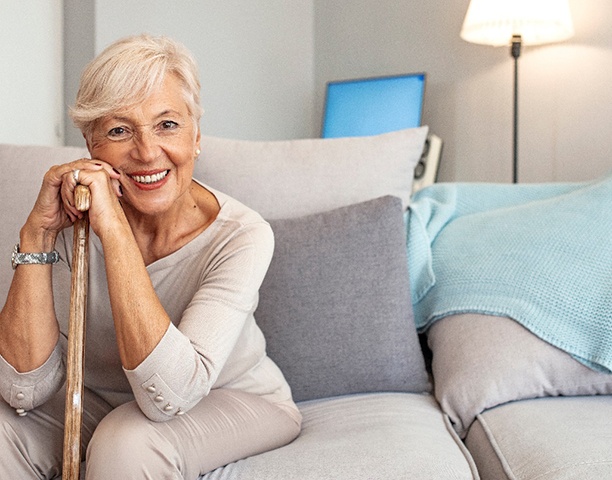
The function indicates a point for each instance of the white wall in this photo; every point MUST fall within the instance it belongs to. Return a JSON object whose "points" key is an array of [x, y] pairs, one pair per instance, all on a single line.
{"points": [[255, 58], [564, 99], [264, 65], [31, 100]]}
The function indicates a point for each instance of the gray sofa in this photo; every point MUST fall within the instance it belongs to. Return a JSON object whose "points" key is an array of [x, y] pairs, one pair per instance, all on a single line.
{"points": [[472, 396]]}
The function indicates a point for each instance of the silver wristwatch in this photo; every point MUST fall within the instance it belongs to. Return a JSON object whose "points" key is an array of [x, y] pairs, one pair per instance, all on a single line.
{"points": [[44, 258]]}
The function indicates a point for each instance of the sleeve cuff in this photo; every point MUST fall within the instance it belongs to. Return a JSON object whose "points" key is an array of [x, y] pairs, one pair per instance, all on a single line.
{"points": [[27, 390], [161, 381]]}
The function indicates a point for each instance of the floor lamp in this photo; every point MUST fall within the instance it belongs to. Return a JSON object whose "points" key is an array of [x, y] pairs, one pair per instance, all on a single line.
{"points": [[517, 23]]}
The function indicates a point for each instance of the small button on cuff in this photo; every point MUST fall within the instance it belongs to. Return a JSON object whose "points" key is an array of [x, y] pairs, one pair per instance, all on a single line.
{"points": [[179, 412], [161, 397], [21, 397], [21, 412]]}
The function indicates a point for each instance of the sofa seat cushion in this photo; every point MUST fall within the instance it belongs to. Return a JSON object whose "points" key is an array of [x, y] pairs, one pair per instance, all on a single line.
{"points": [[375, 436], [546, 438], [481, 361]]}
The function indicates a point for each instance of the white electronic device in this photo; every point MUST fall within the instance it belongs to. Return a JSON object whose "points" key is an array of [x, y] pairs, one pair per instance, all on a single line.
{"points": [[426, 171]]}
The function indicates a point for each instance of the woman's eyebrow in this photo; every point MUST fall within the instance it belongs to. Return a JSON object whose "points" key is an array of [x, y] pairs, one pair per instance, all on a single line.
{"points": [[121, 118], [118, 118], [169, 112]]}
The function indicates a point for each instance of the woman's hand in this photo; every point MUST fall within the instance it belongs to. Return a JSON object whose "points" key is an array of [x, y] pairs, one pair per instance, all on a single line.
{"points": [[104, 185], [30, 329], [54, 209]]}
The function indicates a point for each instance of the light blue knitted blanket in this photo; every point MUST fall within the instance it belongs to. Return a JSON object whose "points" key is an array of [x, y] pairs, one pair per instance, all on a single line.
{"points": [[538, 253]]}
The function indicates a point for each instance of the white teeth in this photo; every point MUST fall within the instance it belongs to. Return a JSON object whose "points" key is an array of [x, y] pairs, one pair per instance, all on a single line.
{"points": [[147, 179]]}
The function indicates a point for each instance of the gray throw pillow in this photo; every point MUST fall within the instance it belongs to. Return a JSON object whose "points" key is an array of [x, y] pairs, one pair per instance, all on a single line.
{"points": [[335, 305]]}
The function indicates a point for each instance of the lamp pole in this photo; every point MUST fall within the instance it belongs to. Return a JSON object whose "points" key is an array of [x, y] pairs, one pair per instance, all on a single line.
{"points": [[515, 51], [533, 23]]}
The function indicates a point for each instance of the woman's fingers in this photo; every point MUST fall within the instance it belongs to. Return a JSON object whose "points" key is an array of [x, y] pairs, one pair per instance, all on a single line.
{"points": [[114, 175], [104, 183], [72, 174], [55, 207]]}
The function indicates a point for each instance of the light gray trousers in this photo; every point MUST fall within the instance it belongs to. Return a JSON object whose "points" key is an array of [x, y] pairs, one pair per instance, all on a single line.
{"points": [[225, 426]]}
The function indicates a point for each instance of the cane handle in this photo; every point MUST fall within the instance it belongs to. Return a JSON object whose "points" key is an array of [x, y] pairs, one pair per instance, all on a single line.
{"points": [[82, 198]]}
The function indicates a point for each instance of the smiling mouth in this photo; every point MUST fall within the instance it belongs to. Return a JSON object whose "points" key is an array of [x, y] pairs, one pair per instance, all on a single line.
{"points": [[150, 179]]}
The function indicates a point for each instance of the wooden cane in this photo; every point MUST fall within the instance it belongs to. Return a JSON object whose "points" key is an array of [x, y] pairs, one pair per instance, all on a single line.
{"points": [[76, 339]]}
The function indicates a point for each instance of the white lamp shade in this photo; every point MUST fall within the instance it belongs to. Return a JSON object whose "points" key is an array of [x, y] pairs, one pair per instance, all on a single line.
{"points": [[494, 22]]}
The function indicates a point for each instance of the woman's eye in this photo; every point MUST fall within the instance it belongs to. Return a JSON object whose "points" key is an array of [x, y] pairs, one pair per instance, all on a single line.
{"points": [[168, 125], [118, 133]]}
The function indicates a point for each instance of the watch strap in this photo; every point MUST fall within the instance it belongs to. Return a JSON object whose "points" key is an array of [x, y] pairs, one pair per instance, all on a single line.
{"points": [[42, 258]]}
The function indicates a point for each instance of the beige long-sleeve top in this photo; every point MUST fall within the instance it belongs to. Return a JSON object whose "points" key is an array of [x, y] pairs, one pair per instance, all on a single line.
{"points": [[209, 288]]}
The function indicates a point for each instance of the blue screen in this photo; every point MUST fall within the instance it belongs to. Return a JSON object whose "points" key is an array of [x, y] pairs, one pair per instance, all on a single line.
{"points": [[355, 108]]}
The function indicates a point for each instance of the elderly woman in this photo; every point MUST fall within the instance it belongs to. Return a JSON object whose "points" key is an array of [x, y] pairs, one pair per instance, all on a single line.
{"points": [[177, 378]]}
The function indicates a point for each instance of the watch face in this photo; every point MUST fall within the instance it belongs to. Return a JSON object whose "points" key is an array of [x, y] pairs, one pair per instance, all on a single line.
{"points": [[53, 257]]}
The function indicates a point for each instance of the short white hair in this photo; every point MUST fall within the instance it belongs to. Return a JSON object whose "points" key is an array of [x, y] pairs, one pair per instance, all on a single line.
{"points": [[126, 72]]}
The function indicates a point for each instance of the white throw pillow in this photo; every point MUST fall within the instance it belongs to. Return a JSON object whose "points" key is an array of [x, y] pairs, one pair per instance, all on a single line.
{"points": [[292, 178]]}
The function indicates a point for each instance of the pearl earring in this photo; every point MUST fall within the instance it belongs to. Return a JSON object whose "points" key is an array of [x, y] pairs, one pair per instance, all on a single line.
{"points": [[198, 151]]}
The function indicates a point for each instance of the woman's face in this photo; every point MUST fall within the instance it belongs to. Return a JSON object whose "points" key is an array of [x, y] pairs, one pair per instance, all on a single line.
{"points": [[153, 146]]}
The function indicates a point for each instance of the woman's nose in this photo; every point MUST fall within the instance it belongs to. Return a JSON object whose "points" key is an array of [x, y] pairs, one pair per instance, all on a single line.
{"points": [[147, 146]]}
